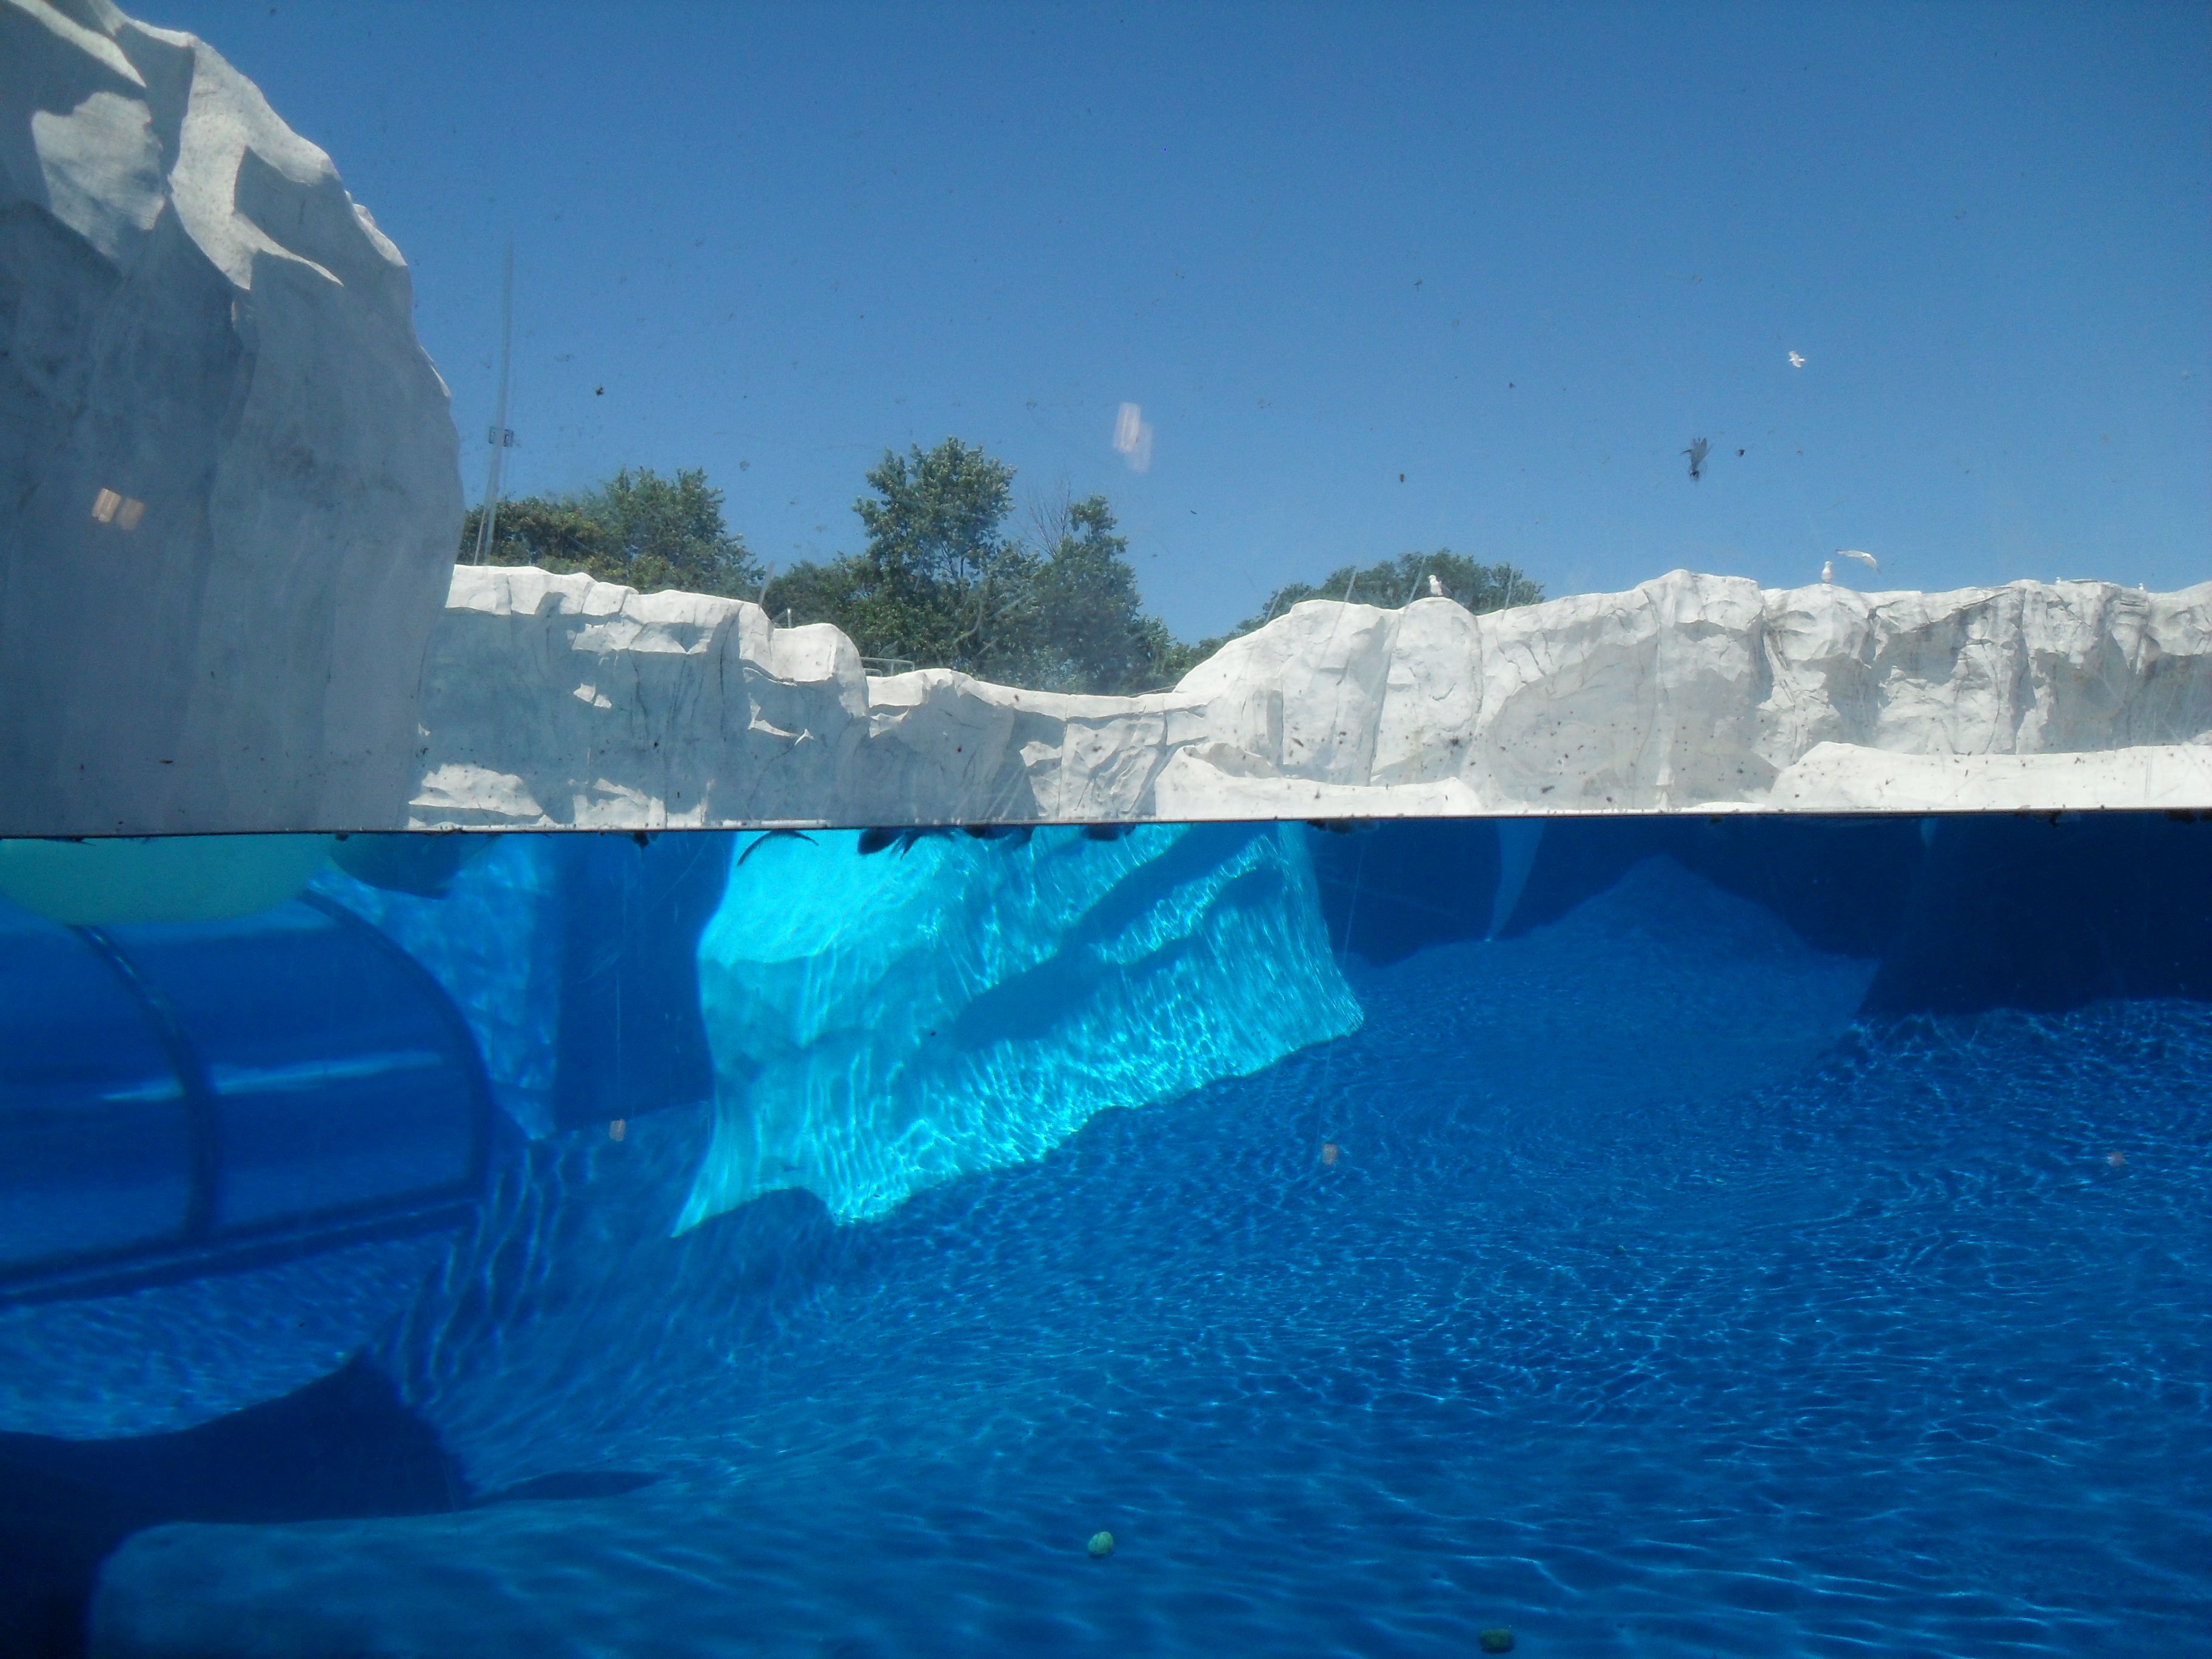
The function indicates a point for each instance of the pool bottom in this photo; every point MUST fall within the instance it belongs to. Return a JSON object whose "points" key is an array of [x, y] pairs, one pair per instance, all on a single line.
{"points": [[343, 1444], [1647, 1307]]}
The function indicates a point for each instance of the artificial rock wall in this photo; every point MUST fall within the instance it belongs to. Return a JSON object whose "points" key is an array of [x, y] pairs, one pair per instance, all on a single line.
{"points": [[229, 499], [228, 482], [558, 700]]}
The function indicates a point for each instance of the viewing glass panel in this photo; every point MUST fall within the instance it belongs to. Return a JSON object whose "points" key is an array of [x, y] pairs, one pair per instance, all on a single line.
{"points": [[979, 831]]}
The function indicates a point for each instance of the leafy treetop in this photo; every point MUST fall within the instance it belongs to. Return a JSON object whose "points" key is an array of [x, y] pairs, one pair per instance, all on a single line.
{"points": [[638, 528], [942, 582]]}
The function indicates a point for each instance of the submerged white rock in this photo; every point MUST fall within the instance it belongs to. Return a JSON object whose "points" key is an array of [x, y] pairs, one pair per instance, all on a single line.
{"points": [[562, 701], [228, 491], [883, 1023]]}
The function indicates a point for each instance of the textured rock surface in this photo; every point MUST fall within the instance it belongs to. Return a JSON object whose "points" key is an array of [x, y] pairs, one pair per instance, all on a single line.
{"points": [[1687, 693], [560, 700], [228, 493], [2149, 777], [228, 498]]}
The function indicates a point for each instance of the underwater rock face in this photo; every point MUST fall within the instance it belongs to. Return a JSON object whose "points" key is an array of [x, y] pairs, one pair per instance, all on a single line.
{"points": [[1689, 693], [577, 1022], [493, 944], [228, 491], [880, 1024]]}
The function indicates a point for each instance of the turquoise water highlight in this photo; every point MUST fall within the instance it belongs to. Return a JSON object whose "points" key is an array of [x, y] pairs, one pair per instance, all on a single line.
{"points": [[883, 1023], [1657, 1298]]}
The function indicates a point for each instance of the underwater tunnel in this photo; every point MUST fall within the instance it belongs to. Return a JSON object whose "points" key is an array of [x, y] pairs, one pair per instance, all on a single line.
{"points": [[180, 1098]]}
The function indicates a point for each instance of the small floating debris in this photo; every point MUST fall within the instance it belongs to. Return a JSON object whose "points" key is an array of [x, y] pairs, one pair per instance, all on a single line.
{"points": [[1101, 1546], [1497, 1641], [1330, 1152], [617, 1129]]}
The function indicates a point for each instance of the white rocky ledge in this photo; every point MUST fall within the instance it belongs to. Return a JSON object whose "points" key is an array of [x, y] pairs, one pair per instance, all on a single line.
{"points": [[560, 701]]}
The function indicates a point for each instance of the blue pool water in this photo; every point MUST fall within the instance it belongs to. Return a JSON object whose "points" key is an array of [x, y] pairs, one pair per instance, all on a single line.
{"points": [[1618, 1280]]}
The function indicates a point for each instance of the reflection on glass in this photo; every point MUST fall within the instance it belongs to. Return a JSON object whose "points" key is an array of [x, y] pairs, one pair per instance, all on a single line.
{"points": [[124, 512], [1132, 438]]}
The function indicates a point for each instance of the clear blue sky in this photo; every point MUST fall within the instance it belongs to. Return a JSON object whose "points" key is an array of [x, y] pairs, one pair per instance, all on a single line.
{"points": [[1521, 255]]}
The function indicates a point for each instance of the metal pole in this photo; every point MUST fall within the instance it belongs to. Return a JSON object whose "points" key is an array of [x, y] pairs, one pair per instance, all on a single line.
{"points": [[500, 438]]}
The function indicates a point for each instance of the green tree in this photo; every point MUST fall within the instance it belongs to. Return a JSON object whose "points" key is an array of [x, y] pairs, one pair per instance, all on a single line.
{"points": [[939, 583], [638, 528], [553, 535], [1401, 581], [1087, 627], [938, 516], [942, 583]]}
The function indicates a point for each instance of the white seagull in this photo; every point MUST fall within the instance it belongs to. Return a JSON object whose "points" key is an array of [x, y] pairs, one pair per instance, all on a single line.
{"points": [[1866, 559], [1827, 570], [1436, 587]]}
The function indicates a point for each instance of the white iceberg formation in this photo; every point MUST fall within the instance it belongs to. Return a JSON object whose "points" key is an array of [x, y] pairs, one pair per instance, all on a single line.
{"points": [[228, 500], [558, 700], [882, 1023], [229, 489]]}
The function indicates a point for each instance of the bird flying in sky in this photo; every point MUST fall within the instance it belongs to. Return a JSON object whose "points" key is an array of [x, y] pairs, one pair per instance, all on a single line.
{"points": [[1697, 452], [1795, 362]]}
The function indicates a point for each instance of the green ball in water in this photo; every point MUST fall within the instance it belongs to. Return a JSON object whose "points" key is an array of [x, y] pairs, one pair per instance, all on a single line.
{"points": [[1101, 1546], [1497, 1641]]}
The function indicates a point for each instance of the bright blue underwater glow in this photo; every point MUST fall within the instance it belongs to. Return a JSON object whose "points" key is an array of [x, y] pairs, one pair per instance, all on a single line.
{"points": [[1651, 1308], [883, 1023]]}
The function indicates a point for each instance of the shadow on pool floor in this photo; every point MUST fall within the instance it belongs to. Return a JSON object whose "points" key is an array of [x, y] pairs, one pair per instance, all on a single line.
{"points": [[344, 1447]]}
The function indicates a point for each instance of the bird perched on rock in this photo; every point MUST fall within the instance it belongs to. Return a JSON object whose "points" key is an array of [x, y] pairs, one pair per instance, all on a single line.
{"points": [[1697, 452], [1828, 565], [1436, 585]]}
